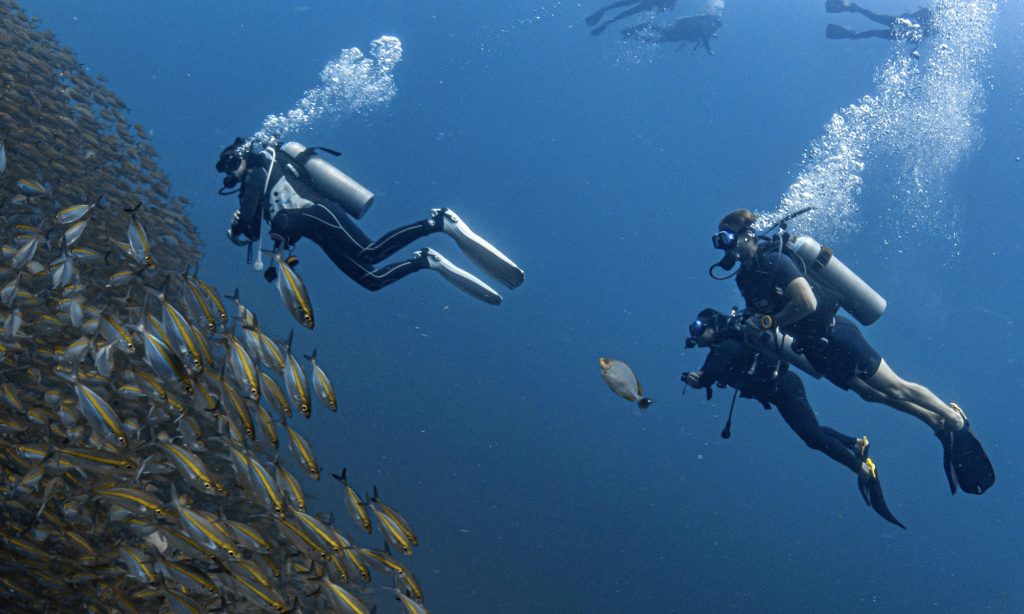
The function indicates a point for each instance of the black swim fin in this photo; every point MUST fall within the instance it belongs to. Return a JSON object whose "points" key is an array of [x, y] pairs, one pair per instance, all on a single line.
{"points": [[946, 440], [972, 467], [871, 489], [837, 6], [838, 33]]}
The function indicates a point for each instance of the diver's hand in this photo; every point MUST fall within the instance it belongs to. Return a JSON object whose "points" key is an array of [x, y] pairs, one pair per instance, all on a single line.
{"points": [[235, 234], [692, 378], [760, 322], [236, 237]]}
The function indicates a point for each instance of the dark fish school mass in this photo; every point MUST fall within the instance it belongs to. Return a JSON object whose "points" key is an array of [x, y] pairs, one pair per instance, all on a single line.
{"points": [[141, 413]]}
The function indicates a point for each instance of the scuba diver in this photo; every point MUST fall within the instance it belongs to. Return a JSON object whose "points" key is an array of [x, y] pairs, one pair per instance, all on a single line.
{"points": [[763, 376], [638, 6], [698, 29], [912, 26], [302, 195], [795, 288]]}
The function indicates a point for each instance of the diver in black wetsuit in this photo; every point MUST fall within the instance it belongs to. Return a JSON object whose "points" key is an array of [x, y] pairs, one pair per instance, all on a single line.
{"points": [[280, 188], [780, 297], [638, 6], [765, 378], [912, 26], [696, 29]]}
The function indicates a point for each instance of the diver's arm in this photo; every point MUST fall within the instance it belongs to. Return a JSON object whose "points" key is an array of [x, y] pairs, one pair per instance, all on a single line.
{"points": [[718, 363], [800, 302], [250, 200]]}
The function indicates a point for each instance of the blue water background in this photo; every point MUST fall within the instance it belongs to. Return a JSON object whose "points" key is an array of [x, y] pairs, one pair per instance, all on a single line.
{"points": [[532, 487]]}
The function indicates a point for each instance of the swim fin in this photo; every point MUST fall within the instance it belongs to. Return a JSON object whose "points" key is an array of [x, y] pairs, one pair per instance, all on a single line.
{"points": [[485, 255], [837, 33], [946, 439], [973, 469], [459, 278], [871, 489]]}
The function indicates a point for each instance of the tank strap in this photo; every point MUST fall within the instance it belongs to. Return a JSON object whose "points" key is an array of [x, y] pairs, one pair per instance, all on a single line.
{"points": [[295, 165], [308, 152], [823, 257]]}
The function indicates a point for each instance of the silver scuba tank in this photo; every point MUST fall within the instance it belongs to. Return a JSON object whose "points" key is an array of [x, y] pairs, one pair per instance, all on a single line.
{"points": [[797, 360], [332, 183], [781, 347], [855, 296]]}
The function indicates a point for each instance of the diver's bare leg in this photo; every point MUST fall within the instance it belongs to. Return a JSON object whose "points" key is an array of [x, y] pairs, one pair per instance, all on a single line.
{"points": [[909, 397]]}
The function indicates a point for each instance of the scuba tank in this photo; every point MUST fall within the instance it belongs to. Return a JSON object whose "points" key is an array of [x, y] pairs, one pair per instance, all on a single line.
{"points": [[853, 294], [331, 182], [785, 344]]}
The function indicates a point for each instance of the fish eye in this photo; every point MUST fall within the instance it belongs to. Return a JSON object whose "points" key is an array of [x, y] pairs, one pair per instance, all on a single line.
{"points": [[207, 485], [122, 441]]}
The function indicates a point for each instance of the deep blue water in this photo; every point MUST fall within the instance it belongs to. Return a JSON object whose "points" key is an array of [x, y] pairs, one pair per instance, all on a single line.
{"points": [[532, 487]]}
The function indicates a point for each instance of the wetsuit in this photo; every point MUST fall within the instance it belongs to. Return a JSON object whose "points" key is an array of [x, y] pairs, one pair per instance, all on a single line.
{"points": [[295, 210], [759, 377], [832, 344], [696, 29]]}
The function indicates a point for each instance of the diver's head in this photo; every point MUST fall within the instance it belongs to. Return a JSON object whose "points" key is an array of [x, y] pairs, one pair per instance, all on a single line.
{"points": [[232, 162], [736, 237], [704, 329]]}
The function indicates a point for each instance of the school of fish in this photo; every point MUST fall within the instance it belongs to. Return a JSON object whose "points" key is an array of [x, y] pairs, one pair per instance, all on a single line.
{"points": [[141, 416]]}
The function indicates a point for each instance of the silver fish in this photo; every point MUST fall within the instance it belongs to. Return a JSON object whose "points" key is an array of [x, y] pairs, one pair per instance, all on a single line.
{"points": [[25, 253], [322, 385], [293, 293], [139, 242], [30, 187], [74, 213]]}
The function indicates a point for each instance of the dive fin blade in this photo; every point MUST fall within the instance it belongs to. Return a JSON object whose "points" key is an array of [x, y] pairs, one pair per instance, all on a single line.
{"points": [[969, 462], [481, 252], [945, 438], [460, 278], [871, 490], [835, 32]]}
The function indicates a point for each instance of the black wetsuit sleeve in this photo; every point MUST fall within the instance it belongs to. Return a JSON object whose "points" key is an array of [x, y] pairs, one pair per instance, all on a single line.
{"points": [[719, 363], [250, 203]]}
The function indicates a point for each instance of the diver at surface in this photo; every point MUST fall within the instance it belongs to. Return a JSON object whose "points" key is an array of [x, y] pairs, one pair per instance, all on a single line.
{"points": [[908, 26], [695, 29], [303, 196], [636, 7], [763, 376], [786, 294]]}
